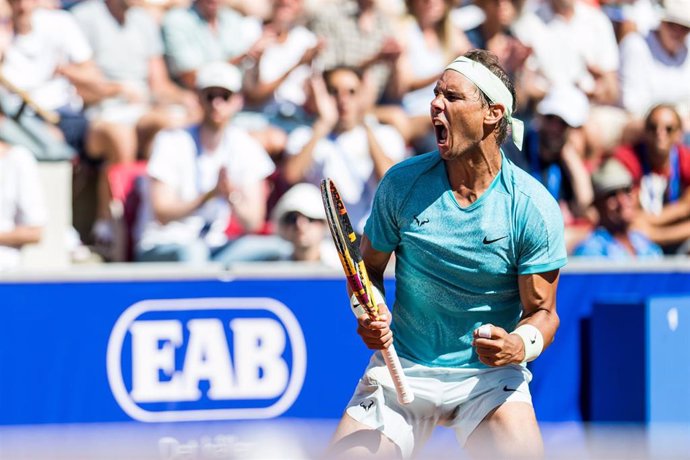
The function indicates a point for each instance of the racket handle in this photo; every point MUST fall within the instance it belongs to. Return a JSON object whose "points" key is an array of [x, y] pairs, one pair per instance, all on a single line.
{"points": [[405, 395]]}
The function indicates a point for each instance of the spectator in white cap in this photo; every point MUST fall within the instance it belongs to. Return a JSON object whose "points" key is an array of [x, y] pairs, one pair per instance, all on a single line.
{"points": [[203, 175], [555, 150], [300, 219], [655, 68], [614, 237]]}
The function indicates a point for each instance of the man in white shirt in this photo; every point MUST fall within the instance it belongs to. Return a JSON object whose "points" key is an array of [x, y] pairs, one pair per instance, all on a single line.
{"points": [[139, 97], [582, 49], [50, 58], [340, 145], [202, 175], [655, 68]]}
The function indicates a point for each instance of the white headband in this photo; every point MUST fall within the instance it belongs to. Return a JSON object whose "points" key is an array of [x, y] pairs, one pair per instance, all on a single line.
{"points": [[493, 87]]}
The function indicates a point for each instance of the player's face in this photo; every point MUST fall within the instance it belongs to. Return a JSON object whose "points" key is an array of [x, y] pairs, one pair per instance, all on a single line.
{"points": [[457, 113]]}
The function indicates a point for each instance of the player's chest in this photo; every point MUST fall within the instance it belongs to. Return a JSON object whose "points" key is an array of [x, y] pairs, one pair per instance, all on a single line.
{"points": [[480, 238]]}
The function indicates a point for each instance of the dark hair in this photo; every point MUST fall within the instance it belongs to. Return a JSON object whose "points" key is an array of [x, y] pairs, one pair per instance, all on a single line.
{"points": [[490, 61], [346, 68], [658, 107]]}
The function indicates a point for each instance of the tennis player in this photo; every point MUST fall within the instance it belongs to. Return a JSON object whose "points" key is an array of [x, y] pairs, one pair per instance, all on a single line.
{"points": [[478, 246]]}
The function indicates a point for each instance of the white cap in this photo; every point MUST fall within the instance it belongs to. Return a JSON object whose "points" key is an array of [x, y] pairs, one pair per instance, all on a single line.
{"points": [[610, 176], [304, 198], [566, 102], [676, 12], [219, 75]]}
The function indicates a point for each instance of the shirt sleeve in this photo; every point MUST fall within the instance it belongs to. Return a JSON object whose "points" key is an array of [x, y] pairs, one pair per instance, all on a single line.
{"points": [[382, 226], [74, 43], [542, 238], [167, 156]]}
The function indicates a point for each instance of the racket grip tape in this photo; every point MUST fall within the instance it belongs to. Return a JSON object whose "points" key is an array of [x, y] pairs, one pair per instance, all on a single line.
{"points": [[402, 388]]}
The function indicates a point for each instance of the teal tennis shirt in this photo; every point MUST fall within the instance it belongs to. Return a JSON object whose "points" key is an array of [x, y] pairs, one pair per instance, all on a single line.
{"points": [[457, 268]]}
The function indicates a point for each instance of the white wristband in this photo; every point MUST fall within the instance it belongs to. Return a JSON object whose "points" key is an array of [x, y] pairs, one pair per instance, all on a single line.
{"points": [[358, 309], [533, 340]]}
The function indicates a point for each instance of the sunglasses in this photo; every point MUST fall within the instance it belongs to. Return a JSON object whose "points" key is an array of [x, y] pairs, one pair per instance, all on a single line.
{"points": [[670, 129], [212, 95], [336, 91], [292, 217], [612, 193]]}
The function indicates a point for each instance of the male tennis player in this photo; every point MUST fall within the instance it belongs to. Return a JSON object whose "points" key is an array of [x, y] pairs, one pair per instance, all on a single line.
{"points": [[478, 245]]}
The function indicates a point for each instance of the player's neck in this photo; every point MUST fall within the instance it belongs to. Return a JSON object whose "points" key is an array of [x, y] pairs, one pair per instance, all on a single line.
{"points": [[471, 175]]}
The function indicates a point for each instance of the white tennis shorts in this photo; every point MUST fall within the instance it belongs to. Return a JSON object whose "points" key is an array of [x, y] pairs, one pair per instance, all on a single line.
{"points": [[456, 398]]}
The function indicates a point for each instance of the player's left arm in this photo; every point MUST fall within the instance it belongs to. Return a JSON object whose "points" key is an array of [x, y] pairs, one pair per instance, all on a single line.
{"points": [[538, 297], [535, 330]]}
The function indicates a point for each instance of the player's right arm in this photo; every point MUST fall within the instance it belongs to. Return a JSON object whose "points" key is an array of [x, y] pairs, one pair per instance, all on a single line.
{"points": [[375, 334]]}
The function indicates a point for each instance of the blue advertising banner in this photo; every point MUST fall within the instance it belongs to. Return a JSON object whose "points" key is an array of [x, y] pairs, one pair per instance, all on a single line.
{"points": [[176, 350], [167, 350]]}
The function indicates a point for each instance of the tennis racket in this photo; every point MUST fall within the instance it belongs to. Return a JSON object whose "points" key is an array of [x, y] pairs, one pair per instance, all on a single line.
{"points": [[347, 245]]}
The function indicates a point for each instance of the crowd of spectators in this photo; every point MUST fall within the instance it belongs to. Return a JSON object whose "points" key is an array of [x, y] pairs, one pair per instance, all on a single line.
{"points": [[207, 125]]}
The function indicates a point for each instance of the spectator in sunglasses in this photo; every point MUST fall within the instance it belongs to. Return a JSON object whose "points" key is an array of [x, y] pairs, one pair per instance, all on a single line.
{"points": [[201, 176], [660, 167], [614, 238], [300, 219]]}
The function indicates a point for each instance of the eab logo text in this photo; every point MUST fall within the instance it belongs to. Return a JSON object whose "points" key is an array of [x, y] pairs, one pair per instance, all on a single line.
{"points": [[208, 359]]}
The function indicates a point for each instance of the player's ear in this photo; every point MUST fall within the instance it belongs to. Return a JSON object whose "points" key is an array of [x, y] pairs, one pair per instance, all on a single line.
{"points": [[494, 114]]}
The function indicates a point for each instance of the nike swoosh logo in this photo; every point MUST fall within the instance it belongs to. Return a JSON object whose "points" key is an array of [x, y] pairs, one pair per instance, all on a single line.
{"points": [[487, 241], [533, 339], [505, 388]]}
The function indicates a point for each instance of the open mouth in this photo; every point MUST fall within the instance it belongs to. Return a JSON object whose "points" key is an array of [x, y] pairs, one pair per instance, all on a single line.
{"points": [[441, 132]]}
